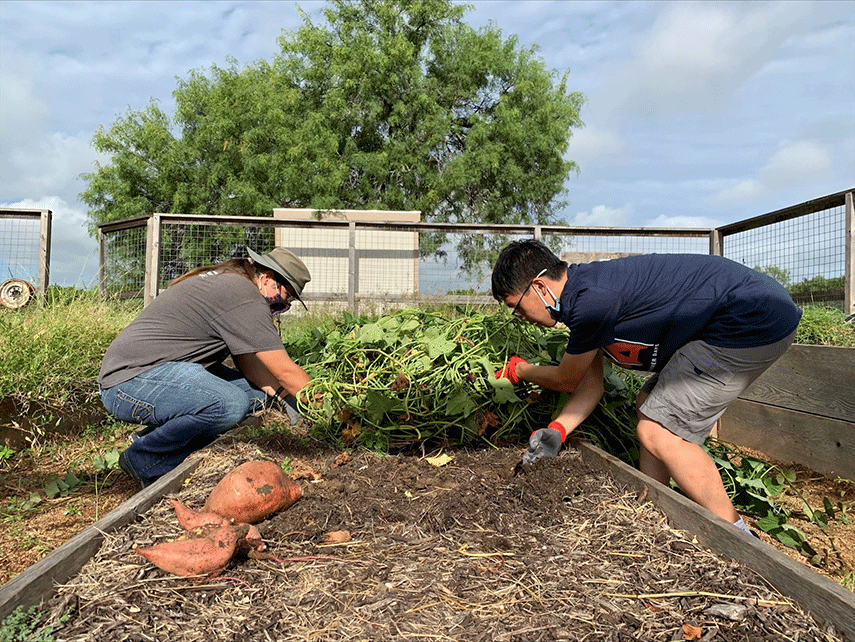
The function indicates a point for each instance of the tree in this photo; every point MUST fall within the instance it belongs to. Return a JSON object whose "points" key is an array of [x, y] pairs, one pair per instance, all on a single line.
{"points": [[781, 275], [392, 104]]}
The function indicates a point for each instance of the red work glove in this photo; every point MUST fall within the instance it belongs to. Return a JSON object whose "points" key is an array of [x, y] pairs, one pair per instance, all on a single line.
{"points": [[509, 370]]}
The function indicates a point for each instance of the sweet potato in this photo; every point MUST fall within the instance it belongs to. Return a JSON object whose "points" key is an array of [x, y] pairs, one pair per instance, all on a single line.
{"points": [[252, 545], [253, 491], [204, 555], [190, 519]]}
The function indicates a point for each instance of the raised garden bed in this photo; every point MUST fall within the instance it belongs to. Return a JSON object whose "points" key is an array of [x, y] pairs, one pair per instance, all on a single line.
{"points": [[577, 548]]}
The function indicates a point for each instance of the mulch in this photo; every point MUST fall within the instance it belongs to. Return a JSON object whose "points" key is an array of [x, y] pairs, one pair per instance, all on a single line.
{"points": [[472, 551]]}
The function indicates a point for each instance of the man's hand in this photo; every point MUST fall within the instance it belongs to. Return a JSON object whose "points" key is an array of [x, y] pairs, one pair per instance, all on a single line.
{"points": [[545, 442], [509, 370]]}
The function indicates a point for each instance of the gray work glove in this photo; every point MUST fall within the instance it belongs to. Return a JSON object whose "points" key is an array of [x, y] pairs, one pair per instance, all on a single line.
{"points": [[545, 442]]}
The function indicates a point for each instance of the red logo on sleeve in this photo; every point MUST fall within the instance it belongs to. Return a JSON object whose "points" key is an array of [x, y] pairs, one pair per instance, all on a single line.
{"points": [[632, 355]]}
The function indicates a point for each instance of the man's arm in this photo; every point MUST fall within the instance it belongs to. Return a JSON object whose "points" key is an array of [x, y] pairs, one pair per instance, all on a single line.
{"points": [[566, 376], [585, 397], [546, 442], [271, 369]]}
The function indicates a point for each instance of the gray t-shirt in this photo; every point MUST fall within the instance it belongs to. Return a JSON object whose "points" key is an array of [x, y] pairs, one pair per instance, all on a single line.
{"points": [[202, 320]]}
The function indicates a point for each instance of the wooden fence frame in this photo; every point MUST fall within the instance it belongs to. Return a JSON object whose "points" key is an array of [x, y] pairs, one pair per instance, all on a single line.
{"points": [[717, 239]]}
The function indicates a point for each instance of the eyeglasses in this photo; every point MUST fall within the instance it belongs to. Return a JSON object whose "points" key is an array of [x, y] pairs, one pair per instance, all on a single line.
{"points": [[515, 312]]}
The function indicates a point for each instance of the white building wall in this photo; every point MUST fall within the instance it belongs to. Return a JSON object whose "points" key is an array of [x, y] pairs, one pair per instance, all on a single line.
{"points": [[387, 262]]}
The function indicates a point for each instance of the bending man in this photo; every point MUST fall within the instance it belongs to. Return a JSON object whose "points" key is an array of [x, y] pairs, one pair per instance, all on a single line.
{"points": [[704, 325]]}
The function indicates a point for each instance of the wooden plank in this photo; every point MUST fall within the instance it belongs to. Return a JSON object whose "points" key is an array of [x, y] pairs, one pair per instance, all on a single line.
{"points": [[849, 253], [37, 582], [785, 214], [827, 601], [821, 444], [811, 379]]}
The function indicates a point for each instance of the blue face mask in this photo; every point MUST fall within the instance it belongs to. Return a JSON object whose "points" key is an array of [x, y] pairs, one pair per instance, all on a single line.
{"points": [[554, 310]]}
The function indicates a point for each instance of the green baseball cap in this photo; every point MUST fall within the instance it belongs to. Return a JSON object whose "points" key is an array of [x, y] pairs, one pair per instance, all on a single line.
{"points": [[287, 265]]}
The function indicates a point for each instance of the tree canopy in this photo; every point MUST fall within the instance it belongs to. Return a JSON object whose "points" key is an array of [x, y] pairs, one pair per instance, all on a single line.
{"points": [[391, 104]]}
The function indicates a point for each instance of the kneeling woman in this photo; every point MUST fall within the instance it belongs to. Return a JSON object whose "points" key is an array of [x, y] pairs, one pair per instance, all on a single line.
{"points": [[165, 370]]}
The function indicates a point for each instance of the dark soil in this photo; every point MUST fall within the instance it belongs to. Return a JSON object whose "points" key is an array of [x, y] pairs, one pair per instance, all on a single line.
{"points": [[466, 551]]}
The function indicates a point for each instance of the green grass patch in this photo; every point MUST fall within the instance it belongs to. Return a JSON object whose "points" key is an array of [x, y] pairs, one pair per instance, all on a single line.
{"points": [[825, 326], [54, 352]]}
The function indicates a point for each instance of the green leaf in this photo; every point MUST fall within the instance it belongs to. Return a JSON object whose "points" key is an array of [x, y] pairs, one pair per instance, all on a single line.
{"points": [[371, 333], [504, 391], [71, 480], [112, 459], [440, 347], [52, 489], [817, 517], [34, 500], [790, 537], [378, 404], [460, 403], [409, 325], [771, 522]]}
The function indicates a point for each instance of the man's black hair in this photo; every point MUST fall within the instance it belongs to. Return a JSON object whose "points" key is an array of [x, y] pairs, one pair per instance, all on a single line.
{"points": [[519, 262]]}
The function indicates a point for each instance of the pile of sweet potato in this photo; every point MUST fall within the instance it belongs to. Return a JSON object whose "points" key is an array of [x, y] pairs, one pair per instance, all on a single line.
{"points": [[249, 493]]}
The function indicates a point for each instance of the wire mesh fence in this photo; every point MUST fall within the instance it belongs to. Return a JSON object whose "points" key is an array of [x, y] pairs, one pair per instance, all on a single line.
{"points": [[122, 268], [184, 247], [360, 262], [803, 247], [24, 252], [19, 247]]}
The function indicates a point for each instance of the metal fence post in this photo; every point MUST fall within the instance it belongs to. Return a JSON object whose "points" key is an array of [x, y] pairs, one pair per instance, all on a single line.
{"points": [[849, 269]]}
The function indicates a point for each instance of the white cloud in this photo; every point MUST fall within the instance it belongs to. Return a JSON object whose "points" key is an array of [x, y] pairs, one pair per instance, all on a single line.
{"points": [[796, 163], [50, 164], [741, 192], [592, 144], [683, 221], [74, 254], [793, 164], [20, 104], [604, 216], [696, 54]]}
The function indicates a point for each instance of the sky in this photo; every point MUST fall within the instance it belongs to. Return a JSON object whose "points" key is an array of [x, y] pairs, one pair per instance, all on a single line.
{"points": [[697, 114]]}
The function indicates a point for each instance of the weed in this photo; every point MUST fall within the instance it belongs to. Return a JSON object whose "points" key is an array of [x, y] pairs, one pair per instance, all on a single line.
{"points": [[16, 509], [110, 461], [27, 541], [56, 354], [63, 486], [25, 624], [755, 485]]}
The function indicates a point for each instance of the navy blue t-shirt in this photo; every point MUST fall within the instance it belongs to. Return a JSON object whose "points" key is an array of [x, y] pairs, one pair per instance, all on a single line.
{"points": [[641, 309]]}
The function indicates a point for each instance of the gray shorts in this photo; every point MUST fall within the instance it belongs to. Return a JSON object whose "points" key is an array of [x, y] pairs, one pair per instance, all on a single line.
{"points": [[700, 381]]}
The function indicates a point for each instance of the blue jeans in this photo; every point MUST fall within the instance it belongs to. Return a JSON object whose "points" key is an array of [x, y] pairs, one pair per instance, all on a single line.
{"points": [[183, 407]]}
